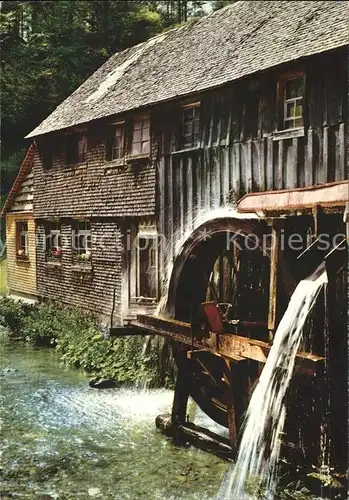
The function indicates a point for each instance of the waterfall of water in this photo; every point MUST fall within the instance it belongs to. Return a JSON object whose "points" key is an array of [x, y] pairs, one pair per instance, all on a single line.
{"points": [[261, 440]]}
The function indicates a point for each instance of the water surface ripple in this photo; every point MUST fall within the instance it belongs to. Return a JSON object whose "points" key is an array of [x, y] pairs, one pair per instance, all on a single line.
{"points": [[64, 440]]}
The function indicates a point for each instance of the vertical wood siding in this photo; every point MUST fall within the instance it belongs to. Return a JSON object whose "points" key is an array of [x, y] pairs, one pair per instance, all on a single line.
{"points": [[240, 152]]}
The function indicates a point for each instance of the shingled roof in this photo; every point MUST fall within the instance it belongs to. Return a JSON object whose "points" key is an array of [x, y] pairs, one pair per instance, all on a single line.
{"points": [[240, 39]]}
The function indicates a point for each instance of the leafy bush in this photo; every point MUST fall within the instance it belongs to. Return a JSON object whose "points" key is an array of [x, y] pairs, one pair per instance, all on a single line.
{"points": [[44, 326], [119, 358], [77, 338], [13, 314]]}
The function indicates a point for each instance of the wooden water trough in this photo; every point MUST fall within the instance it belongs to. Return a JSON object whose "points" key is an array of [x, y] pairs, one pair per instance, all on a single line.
{"points": [[231, 347], [233, 352]]}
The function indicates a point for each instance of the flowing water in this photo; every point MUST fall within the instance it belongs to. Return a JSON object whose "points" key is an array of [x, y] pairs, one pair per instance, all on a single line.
{"points": [[61, 439], [259, 450]]}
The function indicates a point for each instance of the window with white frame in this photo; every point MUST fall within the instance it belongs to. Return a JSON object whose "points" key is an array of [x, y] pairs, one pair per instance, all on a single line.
{"points": [[115, 141], [292, 95], [191, 126], [144, 265], [53, 241], [22, 241], [141, 136], [82, 240]]}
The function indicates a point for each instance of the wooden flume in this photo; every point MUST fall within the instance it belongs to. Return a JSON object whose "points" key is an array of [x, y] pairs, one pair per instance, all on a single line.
{"points": [[233, 348]]}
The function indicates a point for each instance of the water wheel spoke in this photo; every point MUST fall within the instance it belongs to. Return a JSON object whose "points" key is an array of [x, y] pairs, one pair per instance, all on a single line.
{"points": [[223, 274]]}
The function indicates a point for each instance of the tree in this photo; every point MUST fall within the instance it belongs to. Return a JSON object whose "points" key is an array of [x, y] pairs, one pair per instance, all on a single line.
{"points": [[49, 48], [219, 4]]}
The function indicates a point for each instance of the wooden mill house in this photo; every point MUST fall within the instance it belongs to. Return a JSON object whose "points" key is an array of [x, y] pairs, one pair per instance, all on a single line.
{"points": [[250, 100]]}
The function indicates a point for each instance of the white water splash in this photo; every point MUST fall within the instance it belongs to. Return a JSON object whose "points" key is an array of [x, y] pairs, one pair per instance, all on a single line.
{"points": [[181, 238], [261, 441], [205, 216]]}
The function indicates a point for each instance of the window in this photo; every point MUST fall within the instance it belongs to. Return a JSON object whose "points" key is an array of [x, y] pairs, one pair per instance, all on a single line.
{"points": [[147, 266], [115, 142], [22, 246], [141, 136], [82, 241], [45, 148], [53, 241], [76, 151], [292, 93], [191, 126], [144, 262]]}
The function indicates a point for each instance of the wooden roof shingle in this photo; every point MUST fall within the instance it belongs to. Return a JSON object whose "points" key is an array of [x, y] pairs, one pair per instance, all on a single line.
{"points": [[238, 40]]}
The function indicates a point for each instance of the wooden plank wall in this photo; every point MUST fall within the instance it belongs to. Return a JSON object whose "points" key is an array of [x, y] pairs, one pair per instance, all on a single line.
{"points": [[21, 275], [240, 152]]}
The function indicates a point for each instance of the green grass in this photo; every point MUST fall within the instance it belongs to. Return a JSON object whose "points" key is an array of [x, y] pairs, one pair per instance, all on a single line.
{"points": [[3, 276]]}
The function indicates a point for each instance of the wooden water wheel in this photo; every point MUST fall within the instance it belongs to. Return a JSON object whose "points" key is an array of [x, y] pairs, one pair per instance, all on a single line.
{"points": [[225, 299], [232, 275]]}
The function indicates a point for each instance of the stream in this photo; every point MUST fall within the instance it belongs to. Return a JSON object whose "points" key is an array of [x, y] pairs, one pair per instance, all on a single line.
{"points": [[61, 439]]}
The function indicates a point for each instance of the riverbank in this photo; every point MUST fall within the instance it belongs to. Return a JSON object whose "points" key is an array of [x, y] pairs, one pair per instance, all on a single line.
{"points": [[78, 340]]}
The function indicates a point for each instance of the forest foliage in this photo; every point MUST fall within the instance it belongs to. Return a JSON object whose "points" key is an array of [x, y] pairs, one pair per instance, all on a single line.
{"points": [[48, 48]]}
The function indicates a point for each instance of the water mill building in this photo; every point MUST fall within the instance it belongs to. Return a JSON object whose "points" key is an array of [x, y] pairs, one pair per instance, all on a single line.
{"points": [[235, 124]]}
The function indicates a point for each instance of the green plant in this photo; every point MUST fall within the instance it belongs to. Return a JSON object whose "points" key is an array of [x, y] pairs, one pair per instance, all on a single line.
{"points": [[43, 327], [13, 314], [79, 341]]}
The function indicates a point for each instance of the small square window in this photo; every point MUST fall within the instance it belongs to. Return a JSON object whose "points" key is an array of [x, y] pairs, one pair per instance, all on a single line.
{"points": [[191, 126], [291, 106], [81, 241], [76, 148], [115, 142], [22, 243], [141, 137]]}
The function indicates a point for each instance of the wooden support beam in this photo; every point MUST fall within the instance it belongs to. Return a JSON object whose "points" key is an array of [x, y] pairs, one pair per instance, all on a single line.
{"points": [[240, 390], [232, 423], [181, 394], [195, 435], [227, 345], [275, 260], [127, 331]]}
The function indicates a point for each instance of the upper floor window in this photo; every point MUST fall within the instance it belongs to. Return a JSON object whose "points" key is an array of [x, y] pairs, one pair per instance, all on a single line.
{"points": [[82, 240], [191, 126], [141, 136], [45, 148], [22, 243], [76, 148], [292, 94], [53, 241], [115, 141]]}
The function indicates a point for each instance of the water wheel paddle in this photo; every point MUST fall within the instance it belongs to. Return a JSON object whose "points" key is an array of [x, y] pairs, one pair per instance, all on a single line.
{"points": [[219, 269]]}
